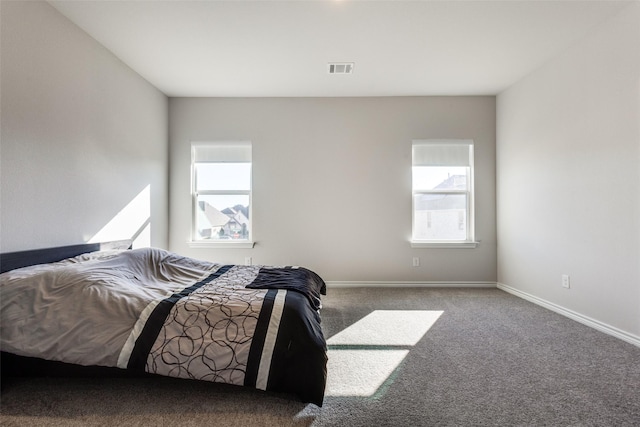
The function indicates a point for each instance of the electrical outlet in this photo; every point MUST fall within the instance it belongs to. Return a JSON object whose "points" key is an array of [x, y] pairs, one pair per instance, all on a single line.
{"points": [[566, 283], [416, 261], [247, 260]]}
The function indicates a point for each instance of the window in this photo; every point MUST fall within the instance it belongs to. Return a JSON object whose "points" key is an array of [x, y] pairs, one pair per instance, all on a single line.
{"points": [[442, 176], [221, 192]]}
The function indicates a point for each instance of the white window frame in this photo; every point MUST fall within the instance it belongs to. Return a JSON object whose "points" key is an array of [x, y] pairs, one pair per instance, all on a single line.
{"points": [[214, 243], [469, 193]]}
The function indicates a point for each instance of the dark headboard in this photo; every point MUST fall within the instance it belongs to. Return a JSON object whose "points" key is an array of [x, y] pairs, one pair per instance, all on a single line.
{"points": [[13, 260]]}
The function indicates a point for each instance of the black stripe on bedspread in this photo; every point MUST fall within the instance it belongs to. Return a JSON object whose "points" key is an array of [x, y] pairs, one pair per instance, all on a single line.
{"points": [[144, 343], [257, 345], [299, 362]]}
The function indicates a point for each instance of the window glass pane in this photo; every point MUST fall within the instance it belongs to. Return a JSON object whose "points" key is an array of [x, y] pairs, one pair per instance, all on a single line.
{"points": [[440, 217], [439, 178], [223, 176], [223, 217]]}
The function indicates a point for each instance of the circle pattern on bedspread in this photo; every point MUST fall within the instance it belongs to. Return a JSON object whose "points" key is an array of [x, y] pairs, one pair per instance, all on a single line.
{"points": [[207, 335]]}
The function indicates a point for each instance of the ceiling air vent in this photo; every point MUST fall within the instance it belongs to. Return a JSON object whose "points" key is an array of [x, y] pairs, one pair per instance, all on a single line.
{"points": [[341, 67]]}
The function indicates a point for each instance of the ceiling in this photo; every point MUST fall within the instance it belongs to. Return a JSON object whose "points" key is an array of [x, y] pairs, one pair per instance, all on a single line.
{"points": [[281, 48]]}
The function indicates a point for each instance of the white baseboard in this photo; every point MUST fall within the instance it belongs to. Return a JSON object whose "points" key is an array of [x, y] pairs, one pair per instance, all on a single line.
{"points": [[363, 284], [585, 320]]}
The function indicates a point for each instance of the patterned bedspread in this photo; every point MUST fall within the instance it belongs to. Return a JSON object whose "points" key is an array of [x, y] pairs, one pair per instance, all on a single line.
{"points": [[155, 311]]}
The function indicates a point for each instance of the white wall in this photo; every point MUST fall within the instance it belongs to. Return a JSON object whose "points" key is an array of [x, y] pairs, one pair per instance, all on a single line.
{"points": [[82, 135], [568, 173], [332, 181]]}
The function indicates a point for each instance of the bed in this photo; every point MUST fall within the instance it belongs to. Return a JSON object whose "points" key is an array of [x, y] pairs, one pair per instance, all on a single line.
{"points": [[105, 308]]}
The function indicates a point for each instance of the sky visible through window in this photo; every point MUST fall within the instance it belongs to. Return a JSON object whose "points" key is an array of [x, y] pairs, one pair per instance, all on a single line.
{"points": [[430, 177], [226, 177], [223, 176]]}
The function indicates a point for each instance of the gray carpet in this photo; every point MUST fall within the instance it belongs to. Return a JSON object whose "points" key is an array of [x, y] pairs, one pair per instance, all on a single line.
{"points": [[488, 359]]}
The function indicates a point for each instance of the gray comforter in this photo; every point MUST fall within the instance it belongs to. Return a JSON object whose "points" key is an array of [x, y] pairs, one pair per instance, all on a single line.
{"points": [[82, 310]]}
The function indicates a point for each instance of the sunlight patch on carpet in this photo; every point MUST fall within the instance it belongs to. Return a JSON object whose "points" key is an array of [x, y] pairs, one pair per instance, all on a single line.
{"points": [[364, 356], [360, 372], [388, 327]]}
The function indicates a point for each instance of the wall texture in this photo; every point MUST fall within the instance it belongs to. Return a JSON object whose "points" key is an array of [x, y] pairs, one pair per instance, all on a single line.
{"points": [[568, 173], [82, 136], [332, 181]]}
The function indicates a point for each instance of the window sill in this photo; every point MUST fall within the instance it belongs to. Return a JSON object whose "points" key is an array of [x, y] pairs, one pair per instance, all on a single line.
{"points": [[221, 245], [443, 245]]}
